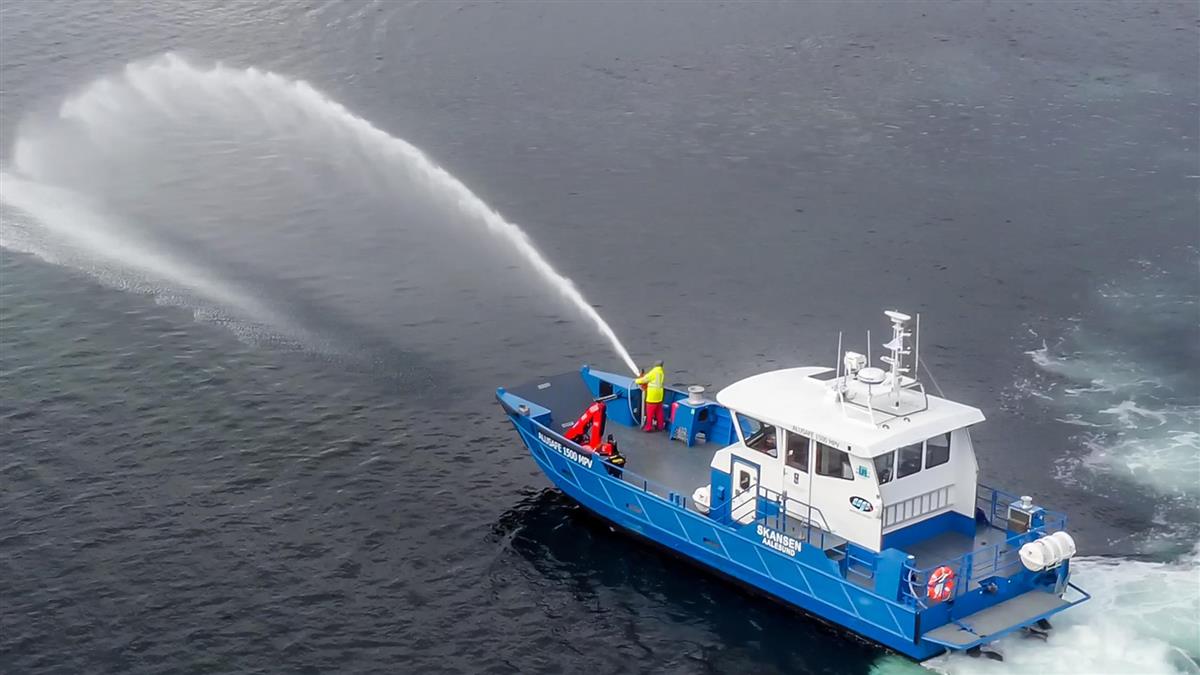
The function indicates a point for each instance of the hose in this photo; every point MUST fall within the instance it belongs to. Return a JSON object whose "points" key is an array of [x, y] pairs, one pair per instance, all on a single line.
{"points": [[637, 419]]}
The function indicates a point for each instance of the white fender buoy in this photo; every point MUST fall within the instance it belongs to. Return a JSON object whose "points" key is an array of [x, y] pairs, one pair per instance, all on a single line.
{"points": [[700, 499]]}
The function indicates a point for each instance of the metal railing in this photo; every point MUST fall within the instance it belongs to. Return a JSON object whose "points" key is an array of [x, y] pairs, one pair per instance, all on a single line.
{"points": [[994, 504], [915, 507], [859, 566], [779, 511], [997, 560], [655, 488]]}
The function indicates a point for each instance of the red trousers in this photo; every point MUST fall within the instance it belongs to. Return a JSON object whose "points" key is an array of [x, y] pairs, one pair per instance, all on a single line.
{"points": [[654, 413]]}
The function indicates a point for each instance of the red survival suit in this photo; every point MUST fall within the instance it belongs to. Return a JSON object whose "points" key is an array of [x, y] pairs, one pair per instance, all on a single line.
{"points": [[588, 430], [613, 458]]}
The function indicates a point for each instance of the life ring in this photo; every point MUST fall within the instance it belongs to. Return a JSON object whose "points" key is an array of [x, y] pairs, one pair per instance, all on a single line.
{"points": [[941, 584]]}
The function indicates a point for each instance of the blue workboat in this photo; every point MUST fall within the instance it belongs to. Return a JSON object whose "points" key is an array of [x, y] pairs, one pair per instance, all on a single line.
{"points": [[850, 493]]}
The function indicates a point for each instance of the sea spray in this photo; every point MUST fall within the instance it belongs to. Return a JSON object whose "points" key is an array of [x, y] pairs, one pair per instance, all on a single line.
{"points": [[174, 89], [1144, 617], [1133, 402], [116, 256]]}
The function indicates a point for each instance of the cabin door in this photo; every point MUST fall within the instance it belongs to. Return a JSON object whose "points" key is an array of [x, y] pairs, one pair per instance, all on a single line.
{"points": [[797, 476], [744, 505]]}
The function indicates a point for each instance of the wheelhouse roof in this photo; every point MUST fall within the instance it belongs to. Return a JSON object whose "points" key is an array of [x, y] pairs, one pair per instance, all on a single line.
{"points": [[792, 398]]}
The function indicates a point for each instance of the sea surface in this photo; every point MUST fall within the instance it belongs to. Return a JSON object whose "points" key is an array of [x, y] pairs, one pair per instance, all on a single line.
{"points": [[249, 342]]}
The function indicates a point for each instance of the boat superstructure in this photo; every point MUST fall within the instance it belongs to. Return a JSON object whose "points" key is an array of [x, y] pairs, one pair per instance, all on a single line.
{"points": [[849, 492]]}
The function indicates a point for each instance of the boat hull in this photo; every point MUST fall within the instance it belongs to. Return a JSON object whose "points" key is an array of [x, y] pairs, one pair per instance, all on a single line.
{"points": [[723, 549], [818, 574]]}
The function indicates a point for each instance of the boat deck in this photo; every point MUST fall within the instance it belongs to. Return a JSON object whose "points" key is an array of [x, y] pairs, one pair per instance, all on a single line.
{"points": [[972, 629], [654, 456], [949, 546]]}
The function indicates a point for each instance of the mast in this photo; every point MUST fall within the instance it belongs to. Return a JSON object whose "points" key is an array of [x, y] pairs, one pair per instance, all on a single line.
{"points": [[899, 348]]}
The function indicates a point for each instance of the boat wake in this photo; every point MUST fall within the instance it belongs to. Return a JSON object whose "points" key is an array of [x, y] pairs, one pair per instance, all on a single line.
{"points": [[1144, 617], [1123, 381], [141, 175]]}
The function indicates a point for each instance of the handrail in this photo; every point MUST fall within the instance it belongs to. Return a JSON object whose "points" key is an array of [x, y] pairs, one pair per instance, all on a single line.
{"points": [[783, 499], [993, 560], [779, 520], [913, 508], [738, 512], [853, 559], [997, 503]]}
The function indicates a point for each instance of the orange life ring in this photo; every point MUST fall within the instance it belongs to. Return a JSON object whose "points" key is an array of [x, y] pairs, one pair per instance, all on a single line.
{"points": [[941, 584]]}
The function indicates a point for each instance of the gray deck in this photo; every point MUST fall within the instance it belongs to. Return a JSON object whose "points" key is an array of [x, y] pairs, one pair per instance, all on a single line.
{"points": [[949, 546], [1019, 610], [670, 463]]}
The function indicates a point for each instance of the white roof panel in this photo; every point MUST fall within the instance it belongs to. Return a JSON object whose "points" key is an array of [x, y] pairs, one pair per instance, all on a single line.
{"points": [[791, 398]]}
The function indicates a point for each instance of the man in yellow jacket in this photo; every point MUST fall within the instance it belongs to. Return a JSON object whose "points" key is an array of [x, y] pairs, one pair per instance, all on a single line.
{"points": [[653, 383]]}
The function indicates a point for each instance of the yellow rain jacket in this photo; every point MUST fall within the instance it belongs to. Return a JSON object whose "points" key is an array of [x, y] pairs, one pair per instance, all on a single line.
{"points": [[654, 384]]}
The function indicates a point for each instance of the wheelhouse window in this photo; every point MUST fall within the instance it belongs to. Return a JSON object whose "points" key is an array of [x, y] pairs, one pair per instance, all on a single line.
{"points": [[759, 436], [937, 451], [885, 467], [910, 460], [797, 451], [833, 462], [748, 426]]}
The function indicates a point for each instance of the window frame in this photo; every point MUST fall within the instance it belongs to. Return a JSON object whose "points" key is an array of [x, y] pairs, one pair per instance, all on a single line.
{"points": [[765, 429], [948, 446], [890, 468], [920, 456], [791, 435], [821, 447], [741, 433]]}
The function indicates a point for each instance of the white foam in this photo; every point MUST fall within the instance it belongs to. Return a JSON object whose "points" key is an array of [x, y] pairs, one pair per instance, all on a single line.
{"points": [[1144, 617], [1132, 428]]}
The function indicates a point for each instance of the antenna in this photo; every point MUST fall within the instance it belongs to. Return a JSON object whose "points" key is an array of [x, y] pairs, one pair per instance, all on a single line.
{"points": [[917, 349], [838, 359]]}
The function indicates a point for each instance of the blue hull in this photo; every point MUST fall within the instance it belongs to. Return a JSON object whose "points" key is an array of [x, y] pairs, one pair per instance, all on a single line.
{"points": [[800, 575], [723, 548]]}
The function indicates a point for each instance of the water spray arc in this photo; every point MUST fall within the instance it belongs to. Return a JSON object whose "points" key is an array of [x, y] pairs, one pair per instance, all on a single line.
{"points": [[169, 85]]}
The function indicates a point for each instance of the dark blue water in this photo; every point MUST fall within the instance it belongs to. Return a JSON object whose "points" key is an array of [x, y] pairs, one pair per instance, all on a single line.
{"points": [[247, 358]]}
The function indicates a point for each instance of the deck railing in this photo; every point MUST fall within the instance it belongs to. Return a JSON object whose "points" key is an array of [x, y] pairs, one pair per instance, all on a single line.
{"points": [[655, 488], [915, 507], [997, 560], [994, 505], [629, 477], [779, 511]]}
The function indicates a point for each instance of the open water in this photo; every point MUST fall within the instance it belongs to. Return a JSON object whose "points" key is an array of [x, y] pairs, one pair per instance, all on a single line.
{"points": [[249, 334]]}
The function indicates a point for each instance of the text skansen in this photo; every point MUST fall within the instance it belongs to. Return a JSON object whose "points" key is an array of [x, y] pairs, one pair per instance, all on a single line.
{"points": [[778, 541]]}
